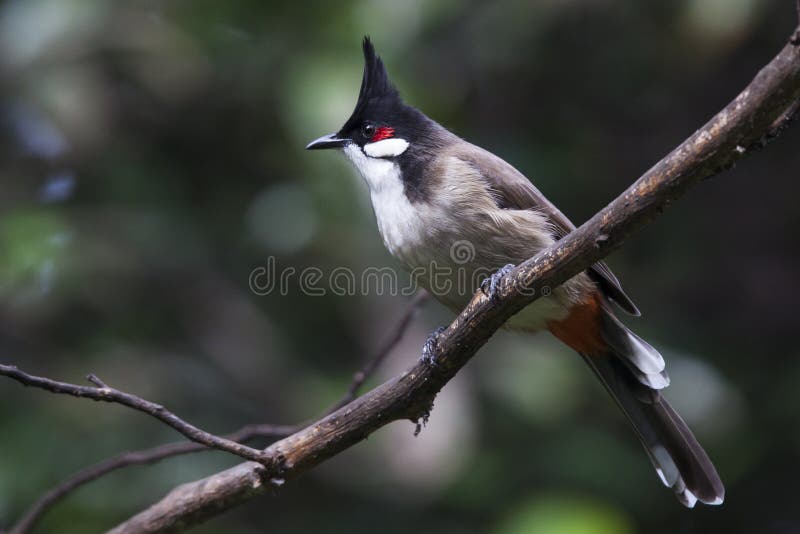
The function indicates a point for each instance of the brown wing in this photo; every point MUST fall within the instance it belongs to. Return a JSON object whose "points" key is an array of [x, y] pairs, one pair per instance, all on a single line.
{"points": [[513, 191]]}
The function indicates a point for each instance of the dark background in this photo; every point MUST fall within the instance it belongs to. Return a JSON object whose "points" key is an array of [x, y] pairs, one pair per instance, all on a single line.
{"points": [[151, 156]]}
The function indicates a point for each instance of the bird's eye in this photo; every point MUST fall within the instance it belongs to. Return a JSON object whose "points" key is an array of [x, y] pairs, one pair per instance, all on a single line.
{"points": [[368, 130]]}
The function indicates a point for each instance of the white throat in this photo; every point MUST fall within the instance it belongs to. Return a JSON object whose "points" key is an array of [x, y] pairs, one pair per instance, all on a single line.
{"points": [[398, 220], [380, 174]]}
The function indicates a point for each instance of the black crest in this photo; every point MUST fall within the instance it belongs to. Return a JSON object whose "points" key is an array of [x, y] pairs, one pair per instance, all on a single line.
{"points": [[378, 97], [375, 85]]}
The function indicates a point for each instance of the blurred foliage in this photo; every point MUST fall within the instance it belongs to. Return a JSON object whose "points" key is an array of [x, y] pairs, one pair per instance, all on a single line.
{"points": [[151, 156]]}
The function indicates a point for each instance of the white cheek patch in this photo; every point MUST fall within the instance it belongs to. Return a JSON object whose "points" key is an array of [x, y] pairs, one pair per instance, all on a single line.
{"points": [[386, 148]]}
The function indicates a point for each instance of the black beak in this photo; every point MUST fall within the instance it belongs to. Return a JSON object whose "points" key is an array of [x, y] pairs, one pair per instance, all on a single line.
{"points": [[327, 141]]}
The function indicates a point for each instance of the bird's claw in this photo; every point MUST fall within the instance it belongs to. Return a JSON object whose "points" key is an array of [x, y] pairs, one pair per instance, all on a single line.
{"points": [[489, 285], [431, 346]]}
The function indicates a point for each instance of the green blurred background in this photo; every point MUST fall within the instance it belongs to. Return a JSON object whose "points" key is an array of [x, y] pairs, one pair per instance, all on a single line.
{"points": [[151, 156]]}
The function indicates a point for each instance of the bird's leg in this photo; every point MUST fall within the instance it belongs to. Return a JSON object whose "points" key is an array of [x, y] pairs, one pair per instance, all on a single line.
{"points": [[431, 346], [489, 285]]}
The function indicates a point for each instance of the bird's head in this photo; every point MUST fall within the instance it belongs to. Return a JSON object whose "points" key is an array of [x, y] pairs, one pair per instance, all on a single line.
{"points": [[381, 125]]}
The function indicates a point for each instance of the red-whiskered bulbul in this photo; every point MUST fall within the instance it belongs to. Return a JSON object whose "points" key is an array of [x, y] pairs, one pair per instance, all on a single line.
{"points": [[430, 190]]}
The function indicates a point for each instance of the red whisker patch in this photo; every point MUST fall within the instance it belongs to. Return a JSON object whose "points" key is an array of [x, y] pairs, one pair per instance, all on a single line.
{"points": [[384, 132]]}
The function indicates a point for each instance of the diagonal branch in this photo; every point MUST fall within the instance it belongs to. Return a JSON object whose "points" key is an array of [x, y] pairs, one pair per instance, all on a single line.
{"points": [[372, 365], [244, 434], [742, 126]]}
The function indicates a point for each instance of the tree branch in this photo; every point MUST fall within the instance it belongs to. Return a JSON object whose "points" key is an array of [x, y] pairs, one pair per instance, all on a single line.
{"points": [[244, 434], [141, 457], [104, 393], [369, 368], [795, 39], [730, 135]]}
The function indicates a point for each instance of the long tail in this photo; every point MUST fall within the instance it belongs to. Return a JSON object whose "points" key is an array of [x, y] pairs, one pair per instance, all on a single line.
{"points": [[633, 373]]}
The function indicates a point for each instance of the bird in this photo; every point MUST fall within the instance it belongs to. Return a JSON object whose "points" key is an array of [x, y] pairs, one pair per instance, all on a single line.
{"points": [[443, 204]]}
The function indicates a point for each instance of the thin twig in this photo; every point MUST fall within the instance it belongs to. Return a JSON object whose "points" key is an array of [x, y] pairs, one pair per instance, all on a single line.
{"points": [[244, 434], [369, 368], [104, 393], [141, 457], [795, 39]]}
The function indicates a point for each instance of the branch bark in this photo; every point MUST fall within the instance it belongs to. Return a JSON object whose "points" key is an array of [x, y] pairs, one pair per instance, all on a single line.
{"points": [[747, 123]]}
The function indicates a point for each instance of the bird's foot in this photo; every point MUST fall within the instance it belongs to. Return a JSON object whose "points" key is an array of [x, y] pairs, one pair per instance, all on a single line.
{"points": [[431, 346], [490, 284]]}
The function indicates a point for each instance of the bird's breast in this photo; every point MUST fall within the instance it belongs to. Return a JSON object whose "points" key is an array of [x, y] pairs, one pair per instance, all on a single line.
{"points": [[408, 230]]}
